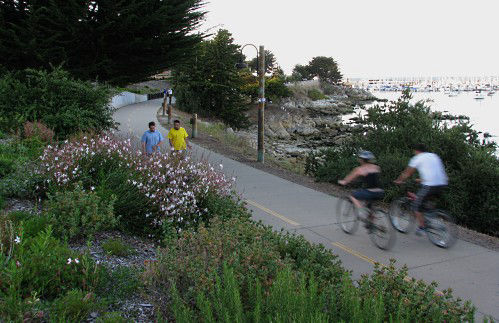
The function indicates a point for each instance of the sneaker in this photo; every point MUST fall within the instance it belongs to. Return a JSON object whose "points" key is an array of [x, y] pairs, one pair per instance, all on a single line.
{"points": [[420, 231]]}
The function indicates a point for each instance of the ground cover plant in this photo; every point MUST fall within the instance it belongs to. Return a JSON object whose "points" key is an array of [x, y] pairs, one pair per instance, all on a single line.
{"points": [[117, 247], [390, 131], [36, 270]]}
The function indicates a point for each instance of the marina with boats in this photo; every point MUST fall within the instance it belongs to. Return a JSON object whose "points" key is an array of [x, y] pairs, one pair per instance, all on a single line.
{"points": [[482, 87]]}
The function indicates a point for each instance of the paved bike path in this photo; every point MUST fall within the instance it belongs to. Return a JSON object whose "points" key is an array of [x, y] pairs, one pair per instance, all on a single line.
{"points": [[470, 270]]}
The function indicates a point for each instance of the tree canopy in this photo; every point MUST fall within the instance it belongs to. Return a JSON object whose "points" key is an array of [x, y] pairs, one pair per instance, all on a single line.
{"points": [[325, 68], [270, 62], [210, 84], [118, 41]]}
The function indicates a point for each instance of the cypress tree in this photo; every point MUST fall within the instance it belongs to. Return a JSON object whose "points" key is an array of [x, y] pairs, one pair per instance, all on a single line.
{"points": [[119, 41]]}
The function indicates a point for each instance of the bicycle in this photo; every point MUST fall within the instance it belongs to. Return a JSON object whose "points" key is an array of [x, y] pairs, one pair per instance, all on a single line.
{"points": [[377, 222], [440, 226]]}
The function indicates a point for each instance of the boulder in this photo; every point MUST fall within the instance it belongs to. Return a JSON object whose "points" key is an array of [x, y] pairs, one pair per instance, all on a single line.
{"points": [[278, 130]]}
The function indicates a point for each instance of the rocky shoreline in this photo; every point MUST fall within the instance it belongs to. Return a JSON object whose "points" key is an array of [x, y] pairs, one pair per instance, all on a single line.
{"points": [[299, 125]]}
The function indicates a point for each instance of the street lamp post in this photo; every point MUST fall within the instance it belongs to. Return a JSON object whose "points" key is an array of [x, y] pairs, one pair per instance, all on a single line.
{"points": [[261, 98]]}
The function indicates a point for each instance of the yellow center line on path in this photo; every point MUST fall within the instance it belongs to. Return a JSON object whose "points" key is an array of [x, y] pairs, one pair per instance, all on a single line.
{"points": [[273, 213], [336, 244], [356, 253]]}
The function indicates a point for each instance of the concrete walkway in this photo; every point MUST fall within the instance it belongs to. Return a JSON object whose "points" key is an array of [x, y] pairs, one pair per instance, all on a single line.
{"points": [[470, 270]]}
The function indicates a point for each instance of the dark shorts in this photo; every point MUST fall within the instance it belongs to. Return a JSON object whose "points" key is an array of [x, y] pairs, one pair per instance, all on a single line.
{"points": [[424, 194], [367, 195]]}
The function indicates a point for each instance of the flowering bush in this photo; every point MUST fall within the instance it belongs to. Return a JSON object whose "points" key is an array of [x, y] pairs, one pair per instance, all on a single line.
{"points": [[173, 187]]}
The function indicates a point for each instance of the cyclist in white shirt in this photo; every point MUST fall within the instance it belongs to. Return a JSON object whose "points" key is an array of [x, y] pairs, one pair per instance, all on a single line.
{"points": [[433, 179]]}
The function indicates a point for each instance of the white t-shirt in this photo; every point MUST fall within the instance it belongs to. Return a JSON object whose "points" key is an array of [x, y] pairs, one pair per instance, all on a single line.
{"points": [[430, 168]]}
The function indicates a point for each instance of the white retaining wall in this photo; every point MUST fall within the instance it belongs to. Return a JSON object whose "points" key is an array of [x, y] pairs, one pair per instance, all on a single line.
{"points": [[126, 98]]}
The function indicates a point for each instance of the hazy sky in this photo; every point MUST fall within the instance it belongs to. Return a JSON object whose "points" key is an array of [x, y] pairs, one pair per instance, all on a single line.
{"points": [[370, 38]]}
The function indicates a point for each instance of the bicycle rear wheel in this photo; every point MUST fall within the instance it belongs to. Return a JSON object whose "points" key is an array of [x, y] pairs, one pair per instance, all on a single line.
{"points": [[382, 233], [347, 216], [401, 216], [440, 228]]}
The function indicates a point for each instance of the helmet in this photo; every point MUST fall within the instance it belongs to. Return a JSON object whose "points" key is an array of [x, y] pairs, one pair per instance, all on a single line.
{"points": [[366, 155]]}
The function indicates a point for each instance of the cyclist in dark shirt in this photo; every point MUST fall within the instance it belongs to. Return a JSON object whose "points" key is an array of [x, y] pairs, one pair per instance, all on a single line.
{"points": [[370, 175]]}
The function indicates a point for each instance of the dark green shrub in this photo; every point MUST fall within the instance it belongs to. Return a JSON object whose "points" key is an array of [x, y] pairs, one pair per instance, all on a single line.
{"points": [[7, 166], [275, 89], [473, 169], [79, 213], [64, 104], [315, 94], [75, 306], [2, 203]]}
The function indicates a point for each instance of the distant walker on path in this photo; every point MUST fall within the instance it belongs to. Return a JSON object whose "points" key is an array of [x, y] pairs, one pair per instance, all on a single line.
{"points": [[170, 95], [151, 139], [178, 137]]}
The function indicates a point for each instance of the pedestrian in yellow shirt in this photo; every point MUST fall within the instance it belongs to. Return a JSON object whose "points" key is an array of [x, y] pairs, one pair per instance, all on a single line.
{"points": [[178, 137]]}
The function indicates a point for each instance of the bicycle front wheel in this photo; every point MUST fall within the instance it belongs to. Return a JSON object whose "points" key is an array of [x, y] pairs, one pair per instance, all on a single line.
{"points": [[440, 229], [401, 216], [347, 216], [382, 233]]}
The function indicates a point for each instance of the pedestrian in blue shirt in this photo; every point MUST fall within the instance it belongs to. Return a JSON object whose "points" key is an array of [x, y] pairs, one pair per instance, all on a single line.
{"points": [[151, 139]]}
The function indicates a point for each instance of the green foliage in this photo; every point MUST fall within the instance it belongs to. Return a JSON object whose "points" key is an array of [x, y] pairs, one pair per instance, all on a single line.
{"points": [[6, 166], [117, 247], [325, 68], [270, 63], [209, 84], [275, 88], [422, 301], [64, 104], [78, 213], [21, 155], [117, 41], [75, 306], [41, 268], [472, 167], [32, 224], [315, 94], [113, 179], [383, 297], [255, 252], [119, 284], [8, 234], [223, 207]]}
